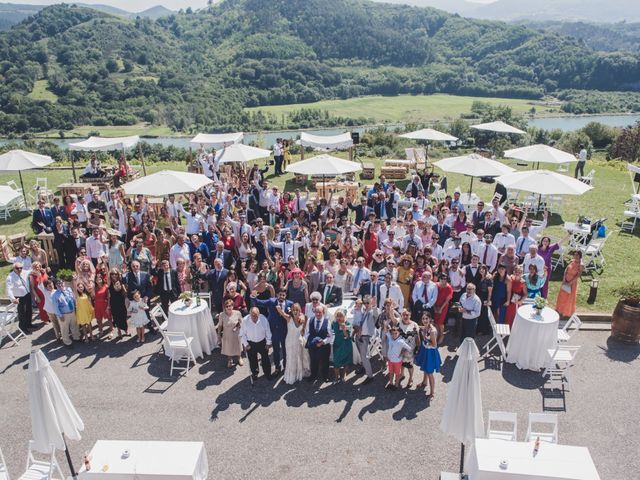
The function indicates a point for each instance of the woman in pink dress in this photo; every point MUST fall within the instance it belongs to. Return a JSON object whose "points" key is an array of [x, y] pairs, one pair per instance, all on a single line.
{"points": [[37, 277], [441, 307], [369, 245], [518, 294]]}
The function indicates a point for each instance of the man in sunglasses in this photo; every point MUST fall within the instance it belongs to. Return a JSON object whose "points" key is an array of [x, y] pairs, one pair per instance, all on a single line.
{"points": [[19, 293]]}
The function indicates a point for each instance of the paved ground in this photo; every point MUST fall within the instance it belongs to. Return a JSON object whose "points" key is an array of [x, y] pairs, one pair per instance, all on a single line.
{"points": [[342, 431]]}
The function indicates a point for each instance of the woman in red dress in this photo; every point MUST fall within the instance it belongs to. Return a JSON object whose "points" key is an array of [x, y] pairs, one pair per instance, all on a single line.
{"points": [[518, 294], [101, 304], [37, 277], [441, 308], [369, 245]]}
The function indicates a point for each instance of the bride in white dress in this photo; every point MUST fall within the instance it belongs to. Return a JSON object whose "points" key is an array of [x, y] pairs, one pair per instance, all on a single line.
{"points": [[297, 356]]}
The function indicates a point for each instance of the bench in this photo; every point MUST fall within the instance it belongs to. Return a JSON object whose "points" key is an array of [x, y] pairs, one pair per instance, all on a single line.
{"points": [[368, 171], [394, 172]]}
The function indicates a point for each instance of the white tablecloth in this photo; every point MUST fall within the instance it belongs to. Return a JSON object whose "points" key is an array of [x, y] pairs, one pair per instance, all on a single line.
{"points": [[147, 460], [469, 202], [195, 321], [531, 336], [552, 462]]}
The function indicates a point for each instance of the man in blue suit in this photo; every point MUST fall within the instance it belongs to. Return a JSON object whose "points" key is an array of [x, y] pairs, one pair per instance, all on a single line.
{"points": [[42, 219], [216, 278], [140, 281], [277, 308]]}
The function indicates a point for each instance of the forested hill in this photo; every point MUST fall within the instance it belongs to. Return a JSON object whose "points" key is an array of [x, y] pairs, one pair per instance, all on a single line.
{"points": [[69, 65]]}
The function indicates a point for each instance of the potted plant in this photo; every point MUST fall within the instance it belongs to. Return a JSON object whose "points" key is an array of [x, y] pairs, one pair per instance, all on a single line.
{"points": [[625, 321], [539, 303], [65, 275], [186, 298]]}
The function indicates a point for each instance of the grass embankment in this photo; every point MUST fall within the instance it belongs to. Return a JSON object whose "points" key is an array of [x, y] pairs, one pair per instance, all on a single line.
{"points": [[612, 189]]}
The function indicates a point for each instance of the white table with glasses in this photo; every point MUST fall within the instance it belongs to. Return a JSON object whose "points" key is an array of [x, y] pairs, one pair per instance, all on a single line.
{"points": [[194, 321], [532, 335]]}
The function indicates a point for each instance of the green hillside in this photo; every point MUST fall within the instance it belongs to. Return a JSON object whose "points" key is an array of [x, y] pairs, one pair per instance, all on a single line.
{"points": [[198, 70]]}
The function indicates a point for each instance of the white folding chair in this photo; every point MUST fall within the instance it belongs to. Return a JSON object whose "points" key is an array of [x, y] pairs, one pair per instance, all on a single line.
{"points": [[157, 312], [410, 154], [592, 255], [557, 258], [179, 350], [206, 296], [588, 178], [560, 360], [375, 346], [42, 469], [499, 332], [4, 470], [548, 419], [631, 216], [20, 200], [439, 195], [570, 328], [502, 418], [9, 324]]}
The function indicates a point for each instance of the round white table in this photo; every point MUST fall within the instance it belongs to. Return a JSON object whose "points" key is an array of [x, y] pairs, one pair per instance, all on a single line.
{"points": [[194, 321], [531, 336]]}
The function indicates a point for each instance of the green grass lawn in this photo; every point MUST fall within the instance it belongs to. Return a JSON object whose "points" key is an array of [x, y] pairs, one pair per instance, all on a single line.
{"points": [[113, 131], [410, 108], [612, 189], [41, 91]]}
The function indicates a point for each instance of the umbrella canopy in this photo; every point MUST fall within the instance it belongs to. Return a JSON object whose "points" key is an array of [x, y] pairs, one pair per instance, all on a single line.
{"points": [[324, 165], [52, 413], [462, 416], [429, 134], [329, 142], [103, 144], [8, 195], [544, 182], [473, 165], [499, 127], [16, 160], [540, 154], [216, 140], [240, 153], [166, 182]]}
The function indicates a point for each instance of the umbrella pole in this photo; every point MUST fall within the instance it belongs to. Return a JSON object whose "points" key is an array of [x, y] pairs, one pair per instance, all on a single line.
{"points": [[24, 194], [470, 188], [74, 474], [461, 458], [73, 166]]}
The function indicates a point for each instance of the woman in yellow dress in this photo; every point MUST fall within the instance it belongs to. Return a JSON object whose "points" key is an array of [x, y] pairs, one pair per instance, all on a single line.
{"points": [[286, 153], [405, 275], [84, 312], [568, 294]]}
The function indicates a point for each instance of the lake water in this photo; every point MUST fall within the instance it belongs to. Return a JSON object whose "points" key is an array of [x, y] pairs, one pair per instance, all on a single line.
{"points": [[267, 139]]}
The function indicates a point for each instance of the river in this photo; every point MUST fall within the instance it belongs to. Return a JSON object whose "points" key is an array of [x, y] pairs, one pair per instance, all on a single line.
{"points": [[267, 139]]}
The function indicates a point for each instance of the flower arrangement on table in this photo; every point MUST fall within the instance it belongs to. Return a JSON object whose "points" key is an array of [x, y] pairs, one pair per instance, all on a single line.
{"points": [[539, 303], [186, 298]]}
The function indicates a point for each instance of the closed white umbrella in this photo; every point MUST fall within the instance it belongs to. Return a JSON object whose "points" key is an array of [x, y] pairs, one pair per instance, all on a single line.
{"points": [[462, 416], [429, 134], [498, 127], [53, 416], [324, 165], [473, 165], [166, 182], [544, 182], [540, 154], [18, 160], [241, 153]]}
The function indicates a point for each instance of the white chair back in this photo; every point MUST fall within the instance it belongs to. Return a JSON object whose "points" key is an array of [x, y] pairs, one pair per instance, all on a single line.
{"points": [[538, 419], [180, 350], [502, 418], [570, 328], [205, 296], [42, 469], [4, 470], [157, 312]]}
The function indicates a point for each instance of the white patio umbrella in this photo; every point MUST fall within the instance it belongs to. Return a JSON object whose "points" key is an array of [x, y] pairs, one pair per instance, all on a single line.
{"points": [[18, 160], [53, 416], [540, 154], [7, 195], [498, 127], [241, 153], [473, 165], [324, 165], [544, 182], [166, 182], [429, 134], [462, 416]]}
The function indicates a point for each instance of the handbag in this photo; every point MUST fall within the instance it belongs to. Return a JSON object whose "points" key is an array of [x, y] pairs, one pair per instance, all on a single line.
{"points": [[565, 287]]}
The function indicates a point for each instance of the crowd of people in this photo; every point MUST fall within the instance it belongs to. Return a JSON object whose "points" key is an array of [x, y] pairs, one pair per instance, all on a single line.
{"points": [[282, 268]]}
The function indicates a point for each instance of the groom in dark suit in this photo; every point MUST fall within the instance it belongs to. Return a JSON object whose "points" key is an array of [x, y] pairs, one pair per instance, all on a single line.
{"points": [[167, 287], [331, 293], [140, 281], [42, 220], [319, 340], [277, 323], [216, 278]]}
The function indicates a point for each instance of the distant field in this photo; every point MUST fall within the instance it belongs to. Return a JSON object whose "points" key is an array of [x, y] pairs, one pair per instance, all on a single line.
{"points": [[111, 131], [40, 91], [409, 108]]}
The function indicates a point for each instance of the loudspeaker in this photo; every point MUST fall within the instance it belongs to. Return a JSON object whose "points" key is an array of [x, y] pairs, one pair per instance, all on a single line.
{"points": [[355, 136]]}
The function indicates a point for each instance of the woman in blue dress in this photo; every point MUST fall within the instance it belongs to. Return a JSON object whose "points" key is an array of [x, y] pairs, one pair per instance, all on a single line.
{"points": [[500, 293], [534, 281], [428, 358]]}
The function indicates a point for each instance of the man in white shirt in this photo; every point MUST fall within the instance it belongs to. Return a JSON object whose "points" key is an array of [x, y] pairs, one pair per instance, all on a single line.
{"points": [[365, 329], [468, 236], [498, 213], [273, 200], [532, 258], [534, 231], [424, 295], [277, 156], [456, 279], [471, 305], [179, 250], [359, 275], [195, 221], [452, 248], [300, 203], [174, 208], [19, 292], [382, 232], [95, 246], [523, 243], [289, 247], [255, 335], [436, 249], [390, 289], [582, 161], [411, 238], [391, 242], [488, 254], [504, 239], [82, 211]]}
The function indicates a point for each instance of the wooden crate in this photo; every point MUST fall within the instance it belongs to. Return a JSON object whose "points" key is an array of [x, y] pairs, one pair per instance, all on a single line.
{"points": [[46, 242], [368, 171], [390, 162], [4, 249], [394, 172], [72, 189], [16, 241]]}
